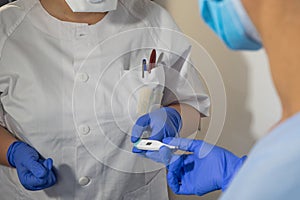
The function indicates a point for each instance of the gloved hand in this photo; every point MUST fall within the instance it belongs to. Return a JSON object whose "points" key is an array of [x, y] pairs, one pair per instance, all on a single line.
{"points": [[193, 175], [164, 122], [34, 172]]}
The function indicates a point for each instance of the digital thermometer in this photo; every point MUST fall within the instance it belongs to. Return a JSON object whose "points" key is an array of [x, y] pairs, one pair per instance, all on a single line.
{"points": [[151, 145]]}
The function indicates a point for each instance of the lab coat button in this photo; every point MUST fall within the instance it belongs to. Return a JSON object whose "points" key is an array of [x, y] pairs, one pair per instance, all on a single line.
{"points": [[84, 129], [83, 77], [83, 181]]}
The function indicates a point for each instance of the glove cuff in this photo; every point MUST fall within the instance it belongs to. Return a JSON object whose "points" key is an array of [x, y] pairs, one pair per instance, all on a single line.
{"points": [[176, 118], [10, 152]]}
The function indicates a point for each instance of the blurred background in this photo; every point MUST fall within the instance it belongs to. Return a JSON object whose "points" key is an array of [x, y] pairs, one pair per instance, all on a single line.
{"points": [[252, 102]]}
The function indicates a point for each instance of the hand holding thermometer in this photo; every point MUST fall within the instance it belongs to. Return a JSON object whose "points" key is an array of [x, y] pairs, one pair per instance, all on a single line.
{"points": [[151, 145]]}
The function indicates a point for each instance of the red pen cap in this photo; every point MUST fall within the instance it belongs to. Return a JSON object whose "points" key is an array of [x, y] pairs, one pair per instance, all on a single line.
{"points": [[152, 60]]}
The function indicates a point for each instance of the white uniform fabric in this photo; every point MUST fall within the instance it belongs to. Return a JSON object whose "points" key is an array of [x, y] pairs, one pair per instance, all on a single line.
{"points": [[271, 171], [57, 86]]}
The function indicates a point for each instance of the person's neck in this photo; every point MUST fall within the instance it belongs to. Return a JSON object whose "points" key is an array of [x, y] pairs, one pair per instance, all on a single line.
{"points": [[60, 10], [279, 26]]}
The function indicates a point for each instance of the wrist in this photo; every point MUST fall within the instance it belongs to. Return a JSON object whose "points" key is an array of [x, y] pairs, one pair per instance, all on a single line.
{"points": [[11, 151], [175, 117]]}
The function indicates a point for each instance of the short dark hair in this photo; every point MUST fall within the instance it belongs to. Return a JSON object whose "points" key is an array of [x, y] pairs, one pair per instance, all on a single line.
{"points": [[3, 2]]}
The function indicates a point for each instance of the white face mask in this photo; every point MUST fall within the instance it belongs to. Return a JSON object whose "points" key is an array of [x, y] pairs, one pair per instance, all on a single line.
{"points": [[92, 5]]}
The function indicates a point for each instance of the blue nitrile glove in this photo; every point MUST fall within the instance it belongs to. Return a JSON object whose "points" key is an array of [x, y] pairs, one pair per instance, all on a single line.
{"points": [[192, 175], [163, 122], [35, 173]]}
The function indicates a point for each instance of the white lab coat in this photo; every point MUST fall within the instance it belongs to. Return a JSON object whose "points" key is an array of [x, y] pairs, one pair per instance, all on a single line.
{"points": [[71, 92]]}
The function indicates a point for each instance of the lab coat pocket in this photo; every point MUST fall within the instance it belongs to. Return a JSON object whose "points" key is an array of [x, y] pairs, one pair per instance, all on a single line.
{"points": [[155, 189], [141, 193], [142, 91], [21, 193]]}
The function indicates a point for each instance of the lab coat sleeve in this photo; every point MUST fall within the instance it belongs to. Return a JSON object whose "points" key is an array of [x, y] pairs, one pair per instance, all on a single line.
{"points": [[3, 91], [3, 38], [4, 80], [182, 81], [10, 17], [1, 115], [183, 84]]}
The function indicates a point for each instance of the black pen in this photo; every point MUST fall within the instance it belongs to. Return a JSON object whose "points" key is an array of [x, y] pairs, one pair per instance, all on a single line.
{"points": [[144, 67]]}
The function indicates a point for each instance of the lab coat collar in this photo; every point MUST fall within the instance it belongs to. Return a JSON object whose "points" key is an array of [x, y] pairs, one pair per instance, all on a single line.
{"points": [[54, 27]]}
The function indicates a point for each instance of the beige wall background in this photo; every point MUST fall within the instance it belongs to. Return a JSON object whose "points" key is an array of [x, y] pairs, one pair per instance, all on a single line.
{"points": [[252, 103]]}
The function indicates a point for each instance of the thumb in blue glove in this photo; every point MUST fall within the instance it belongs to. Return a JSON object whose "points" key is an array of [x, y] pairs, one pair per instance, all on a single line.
{"points": [[163, 122], [34, 172], [195, 175]]}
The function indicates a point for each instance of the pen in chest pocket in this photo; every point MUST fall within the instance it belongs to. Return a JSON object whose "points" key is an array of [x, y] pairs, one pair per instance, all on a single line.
{"points": [[144, 67], [152, 63], [152, 60]]}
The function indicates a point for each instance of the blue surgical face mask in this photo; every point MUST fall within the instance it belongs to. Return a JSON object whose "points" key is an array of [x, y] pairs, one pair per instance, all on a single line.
{"points": [[230, 21]]}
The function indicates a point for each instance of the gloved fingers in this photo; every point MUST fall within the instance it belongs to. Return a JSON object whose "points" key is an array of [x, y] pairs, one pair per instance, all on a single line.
{"points": [[165, 154], [186, 188], [159, 132], [140, 126], [176, 120], [158, 128], [176, 176], [162, 156], [48, 163], [157, 135], [137, 132], [189, 163], [28, 180], [19, 151], [33, 183], [136, 150], [176, 164], [189, 159], [184, 144], [173, 182], [171, 131], [50, 181], [36, 168]]}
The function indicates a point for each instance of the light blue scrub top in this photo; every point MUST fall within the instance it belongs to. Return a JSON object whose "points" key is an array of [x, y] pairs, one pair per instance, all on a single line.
{"points": [[272, 170]]}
